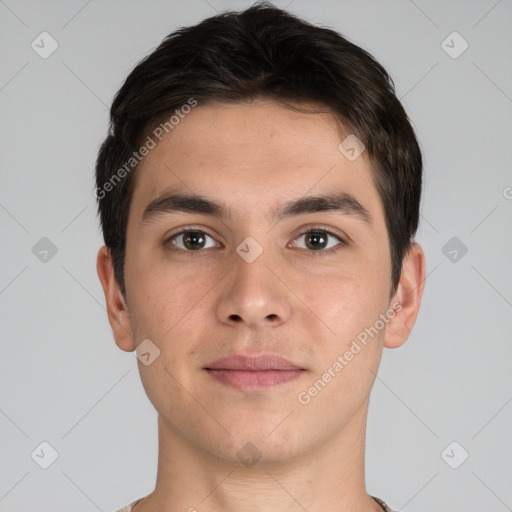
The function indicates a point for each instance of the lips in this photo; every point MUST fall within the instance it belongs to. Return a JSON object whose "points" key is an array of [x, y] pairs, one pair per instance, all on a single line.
{"points": [[253, 362], [253, 372]]}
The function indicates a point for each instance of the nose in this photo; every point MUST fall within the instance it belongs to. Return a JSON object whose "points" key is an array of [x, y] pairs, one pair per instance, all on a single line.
{"points": [[254, 294]]}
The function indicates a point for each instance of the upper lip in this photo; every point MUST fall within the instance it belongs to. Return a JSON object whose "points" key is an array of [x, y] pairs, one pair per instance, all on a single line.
{"points": [[252, 362]]}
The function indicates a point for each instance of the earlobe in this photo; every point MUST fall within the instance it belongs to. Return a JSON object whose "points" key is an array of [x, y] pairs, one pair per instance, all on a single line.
{"points": [[117, 309], [408, 295]]}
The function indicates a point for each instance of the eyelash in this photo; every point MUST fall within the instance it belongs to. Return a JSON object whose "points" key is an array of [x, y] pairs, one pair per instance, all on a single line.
{"points": [[321, 252]]}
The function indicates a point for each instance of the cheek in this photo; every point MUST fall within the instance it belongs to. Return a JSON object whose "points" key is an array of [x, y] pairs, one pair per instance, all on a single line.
{"points": [[166, 310], [351, 350], [159, 299], [347, 302]]}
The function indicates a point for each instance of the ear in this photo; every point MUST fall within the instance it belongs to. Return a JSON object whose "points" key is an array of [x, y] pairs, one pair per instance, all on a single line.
{"points": [[407, 298], [117, 309]]}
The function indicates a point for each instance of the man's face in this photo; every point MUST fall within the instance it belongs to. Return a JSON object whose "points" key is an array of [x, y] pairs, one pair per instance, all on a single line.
{"points": [[209, 292]]}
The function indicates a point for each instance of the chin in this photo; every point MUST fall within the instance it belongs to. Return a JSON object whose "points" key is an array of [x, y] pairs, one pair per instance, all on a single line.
{"points": [[260, 444]]}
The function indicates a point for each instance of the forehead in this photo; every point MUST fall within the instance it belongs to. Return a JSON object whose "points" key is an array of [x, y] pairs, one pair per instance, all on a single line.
{"points": [[247, 153]]}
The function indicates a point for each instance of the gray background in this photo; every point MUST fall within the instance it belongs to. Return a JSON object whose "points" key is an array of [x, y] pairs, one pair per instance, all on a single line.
{"points": [[64, 381]]}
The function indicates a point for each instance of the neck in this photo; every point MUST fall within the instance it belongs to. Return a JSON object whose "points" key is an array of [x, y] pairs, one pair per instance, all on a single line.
{"points": [[329, 478]]}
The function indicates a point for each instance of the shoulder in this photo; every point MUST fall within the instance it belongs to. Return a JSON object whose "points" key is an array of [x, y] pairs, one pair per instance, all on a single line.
{"points": [[128, 508], [381, 503]]}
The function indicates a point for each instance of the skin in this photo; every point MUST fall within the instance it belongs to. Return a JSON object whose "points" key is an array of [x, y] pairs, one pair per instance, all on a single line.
{"points": [[197, 306]]}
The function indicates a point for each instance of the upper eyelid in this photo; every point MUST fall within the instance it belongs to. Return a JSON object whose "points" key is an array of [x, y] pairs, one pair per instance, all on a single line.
{"points": [[318, 228], [187, 230]]}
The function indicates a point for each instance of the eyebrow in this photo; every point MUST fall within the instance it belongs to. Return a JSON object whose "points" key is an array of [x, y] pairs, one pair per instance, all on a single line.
{"points": [[178, 202]]}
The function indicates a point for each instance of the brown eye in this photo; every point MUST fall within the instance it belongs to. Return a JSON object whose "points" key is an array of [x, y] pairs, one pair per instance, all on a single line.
{"points": [[315, 240], [320, 241], [191, 240]]}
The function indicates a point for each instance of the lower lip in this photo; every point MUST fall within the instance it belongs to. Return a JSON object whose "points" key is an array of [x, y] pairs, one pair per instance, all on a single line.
{"points": [[254, 380]]}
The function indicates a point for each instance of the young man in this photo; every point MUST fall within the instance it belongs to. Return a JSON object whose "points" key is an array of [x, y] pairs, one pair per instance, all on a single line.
{"points": [[259, 195]]}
